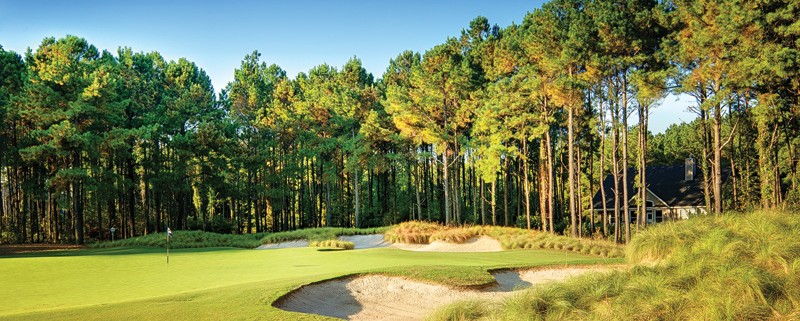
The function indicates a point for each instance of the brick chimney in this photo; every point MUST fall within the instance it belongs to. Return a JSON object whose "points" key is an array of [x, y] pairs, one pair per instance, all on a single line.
{"points": [[690, 169]]}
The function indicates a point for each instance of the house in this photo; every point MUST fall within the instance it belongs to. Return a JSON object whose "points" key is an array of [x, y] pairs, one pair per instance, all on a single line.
{"points": [[673, 192]]}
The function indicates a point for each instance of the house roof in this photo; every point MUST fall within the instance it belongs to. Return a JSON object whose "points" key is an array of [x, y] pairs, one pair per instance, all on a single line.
{"points": [[666, 182]]}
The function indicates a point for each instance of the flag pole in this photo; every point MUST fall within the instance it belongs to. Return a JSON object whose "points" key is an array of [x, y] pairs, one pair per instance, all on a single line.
{"points": [[169, 237]]}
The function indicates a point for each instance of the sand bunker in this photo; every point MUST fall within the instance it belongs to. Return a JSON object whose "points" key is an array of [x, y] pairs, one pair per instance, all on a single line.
{"points": [[378, 297], [366, 241], [360, 242], [475, 244], [283, 245]]}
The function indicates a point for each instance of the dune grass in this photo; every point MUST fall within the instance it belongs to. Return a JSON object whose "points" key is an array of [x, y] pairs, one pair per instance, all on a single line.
{"points": [[220, 283], [730, 267], [188, 239], [510, 238]]}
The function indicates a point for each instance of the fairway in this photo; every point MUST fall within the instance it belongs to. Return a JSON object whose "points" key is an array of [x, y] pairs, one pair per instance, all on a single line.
{"points": [[219, 283]]}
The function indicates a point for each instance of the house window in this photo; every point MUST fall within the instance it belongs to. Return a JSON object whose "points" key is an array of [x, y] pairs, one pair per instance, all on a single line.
{"points": [[659, 216]]}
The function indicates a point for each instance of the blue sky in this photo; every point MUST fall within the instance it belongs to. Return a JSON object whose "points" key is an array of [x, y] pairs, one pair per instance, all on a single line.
{"points": [[296, 35]]}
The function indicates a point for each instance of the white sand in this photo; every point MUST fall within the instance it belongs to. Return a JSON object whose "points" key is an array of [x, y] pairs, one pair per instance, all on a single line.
{"points": [[283, 245], [378, 297], [366, 241], [475, 244]]}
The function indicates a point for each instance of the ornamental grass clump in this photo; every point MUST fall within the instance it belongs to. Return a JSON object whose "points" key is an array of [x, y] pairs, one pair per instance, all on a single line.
{"points": [[412, 232], [338, 244]]}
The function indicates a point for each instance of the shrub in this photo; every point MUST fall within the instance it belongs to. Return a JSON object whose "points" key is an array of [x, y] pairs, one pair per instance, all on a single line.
{"points": [[333, 244], [412, 232]]}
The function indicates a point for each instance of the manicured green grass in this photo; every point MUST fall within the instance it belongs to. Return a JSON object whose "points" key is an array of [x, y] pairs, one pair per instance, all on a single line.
{"points": [[730, 267], [220, 283]]}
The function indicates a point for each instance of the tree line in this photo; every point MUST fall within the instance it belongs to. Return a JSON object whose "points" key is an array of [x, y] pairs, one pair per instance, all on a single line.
{"points": [[505, 126]]}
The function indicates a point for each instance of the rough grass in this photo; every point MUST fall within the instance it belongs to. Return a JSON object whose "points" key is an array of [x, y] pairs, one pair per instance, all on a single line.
{"points": [[510, 238], [412, 232], [333, 244], [730, 267], [188, 239], [318, 234]]}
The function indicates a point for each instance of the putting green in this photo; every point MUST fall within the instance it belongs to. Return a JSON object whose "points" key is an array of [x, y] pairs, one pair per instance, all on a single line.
{"points": [[218, 283]]}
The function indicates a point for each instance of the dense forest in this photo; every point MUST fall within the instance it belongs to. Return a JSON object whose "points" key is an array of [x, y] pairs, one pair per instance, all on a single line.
{"points": [[506, 126]]}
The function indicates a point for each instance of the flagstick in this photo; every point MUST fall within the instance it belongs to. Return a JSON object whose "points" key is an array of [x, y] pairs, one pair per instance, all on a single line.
{"points": [[167, 248]]}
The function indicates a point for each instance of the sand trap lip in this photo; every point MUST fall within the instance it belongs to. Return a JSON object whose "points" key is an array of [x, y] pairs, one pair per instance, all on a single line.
{"points": [[475, 244], [284, 245], [378, 297], [360, 241], [368, 241]]}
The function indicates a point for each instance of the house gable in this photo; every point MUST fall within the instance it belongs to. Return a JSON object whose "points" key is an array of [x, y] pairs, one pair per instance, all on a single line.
{"points": [[665, 185]]}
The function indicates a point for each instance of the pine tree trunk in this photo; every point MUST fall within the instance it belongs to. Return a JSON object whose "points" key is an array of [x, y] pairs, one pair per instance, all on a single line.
{"points": [[717, 159], [571, 171], [527, 186], [615, 159], [505, 193], [550, 181], [625, 196]]}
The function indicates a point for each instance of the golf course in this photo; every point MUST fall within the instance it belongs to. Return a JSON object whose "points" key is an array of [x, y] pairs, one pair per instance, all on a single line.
{"points": [[400, 160], [137, 283]]}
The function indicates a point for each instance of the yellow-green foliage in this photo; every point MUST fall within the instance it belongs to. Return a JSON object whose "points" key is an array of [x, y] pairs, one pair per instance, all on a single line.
{"points": [[510, 238], [188, 239], [333, 243], [731, 267]]}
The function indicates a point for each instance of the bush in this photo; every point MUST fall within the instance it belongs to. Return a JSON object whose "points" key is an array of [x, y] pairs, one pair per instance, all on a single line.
{"points": [[333, 244], [412, 232]]}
